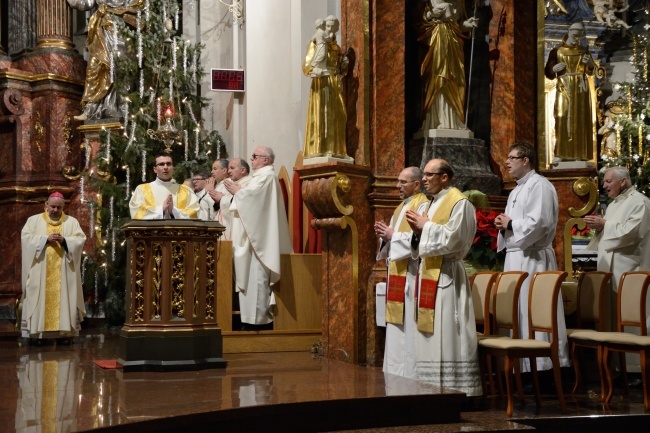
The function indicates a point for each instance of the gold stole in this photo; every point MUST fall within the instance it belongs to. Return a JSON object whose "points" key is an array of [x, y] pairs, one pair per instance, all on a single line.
{"points": [[430, 269], [53, 259], [397, 269], [182, 201]]}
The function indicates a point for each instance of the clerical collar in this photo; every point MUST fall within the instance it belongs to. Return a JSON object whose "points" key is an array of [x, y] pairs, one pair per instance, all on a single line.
{"points": [[524, 179], [625, 194], [441, 194], [162, 182]]}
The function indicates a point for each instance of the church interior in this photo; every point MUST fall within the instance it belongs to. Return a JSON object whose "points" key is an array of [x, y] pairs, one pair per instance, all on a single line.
{"points": [[204, 80]]}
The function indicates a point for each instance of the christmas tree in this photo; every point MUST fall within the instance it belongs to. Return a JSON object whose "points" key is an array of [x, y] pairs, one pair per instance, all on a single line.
{"points": [[160, 113], [628, 118]]}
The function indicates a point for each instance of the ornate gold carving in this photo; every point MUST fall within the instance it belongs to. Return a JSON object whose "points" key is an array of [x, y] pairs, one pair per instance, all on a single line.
{"points": [[156, 274], [97, 127], [138, 278], [70, 172], [68, 133], [39, 77], [582, 187], [210, 280], [39, 131], [178, 279], [197, 278], [568, 252]]}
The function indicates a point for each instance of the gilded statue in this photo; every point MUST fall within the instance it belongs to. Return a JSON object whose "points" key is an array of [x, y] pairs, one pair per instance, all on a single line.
{"points": [[571, 65], [104, 43], [442, 69], [326, 114], [609, 142]]}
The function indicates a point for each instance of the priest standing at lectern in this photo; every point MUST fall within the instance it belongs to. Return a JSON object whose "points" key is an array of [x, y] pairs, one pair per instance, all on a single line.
{"points": [[53, 305], [163, 198], [260, 234]]}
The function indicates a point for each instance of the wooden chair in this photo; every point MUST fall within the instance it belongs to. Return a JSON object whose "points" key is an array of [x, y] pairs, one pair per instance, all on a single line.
{"points": [[593, 291], [504, 303], [481, 283], [631, 311], [542, 317]]}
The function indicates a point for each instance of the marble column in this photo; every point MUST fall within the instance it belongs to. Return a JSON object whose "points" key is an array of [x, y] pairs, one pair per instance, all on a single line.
{"points": [[513, 61]]}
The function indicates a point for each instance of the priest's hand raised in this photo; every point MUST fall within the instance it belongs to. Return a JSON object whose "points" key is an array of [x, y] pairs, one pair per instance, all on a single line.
{"points": [[416, 221], [232, 187]]}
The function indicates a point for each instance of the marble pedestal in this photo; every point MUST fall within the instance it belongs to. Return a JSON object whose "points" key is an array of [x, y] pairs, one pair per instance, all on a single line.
{"points": [[468, 156]]}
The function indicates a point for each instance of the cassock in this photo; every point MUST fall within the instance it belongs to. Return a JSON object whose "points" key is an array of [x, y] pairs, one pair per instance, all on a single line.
{"points": [[533, 208], [53, 304], [224, 216], [206, 206], [146, 202], [449, 356], [624, 243], [399, 352], [260, 234]]}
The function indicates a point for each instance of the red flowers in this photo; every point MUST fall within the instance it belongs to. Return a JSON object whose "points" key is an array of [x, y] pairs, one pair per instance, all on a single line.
{"points": [[484, 247], [584, 232]]}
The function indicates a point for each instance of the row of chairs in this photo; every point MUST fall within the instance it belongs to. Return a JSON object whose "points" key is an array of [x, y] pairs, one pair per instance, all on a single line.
{"points": [[496, 303]]}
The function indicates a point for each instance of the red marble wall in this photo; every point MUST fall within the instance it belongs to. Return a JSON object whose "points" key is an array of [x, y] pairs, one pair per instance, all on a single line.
{"points": [[513, 54]]}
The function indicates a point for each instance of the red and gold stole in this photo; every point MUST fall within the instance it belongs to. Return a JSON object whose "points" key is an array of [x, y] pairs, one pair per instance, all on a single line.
{"points": [[397, 269], [430, 268]]}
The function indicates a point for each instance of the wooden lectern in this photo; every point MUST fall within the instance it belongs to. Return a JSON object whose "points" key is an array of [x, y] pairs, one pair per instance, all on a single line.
{"points": [[171, 299]]}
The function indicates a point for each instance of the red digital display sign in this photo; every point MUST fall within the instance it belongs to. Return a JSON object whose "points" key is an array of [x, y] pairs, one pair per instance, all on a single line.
{"points": [[228, 80]]}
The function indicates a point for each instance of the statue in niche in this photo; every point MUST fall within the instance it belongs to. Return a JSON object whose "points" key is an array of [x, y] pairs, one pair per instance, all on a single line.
{"points": [[442, 69], [605, 12], [326, 114], [104, 43], [571, 64], [608, 144]]}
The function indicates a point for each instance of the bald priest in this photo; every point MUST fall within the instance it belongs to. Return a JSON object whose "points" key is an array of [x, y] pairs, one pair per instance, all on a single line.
{"points": [[52, 243]]}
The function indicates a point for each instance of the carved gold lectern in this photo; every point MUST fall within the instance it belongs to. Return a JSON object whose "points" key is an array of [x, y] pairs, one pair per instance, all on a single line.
{"points": [[171, 321]]}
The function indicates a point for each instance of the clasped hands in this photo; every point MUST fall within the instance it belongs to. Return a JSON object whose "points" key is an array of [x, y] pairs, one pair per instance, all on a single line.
{"points": [[55, 237], [501, 221], [168, 205]]}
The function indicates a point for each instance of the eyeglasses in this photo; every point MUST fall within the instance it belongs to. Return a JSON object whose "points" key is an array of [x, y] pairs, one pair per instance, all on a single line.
{"points": [[433, 174], [196, 179], [259, 156], [512, 158], [163, 164]]}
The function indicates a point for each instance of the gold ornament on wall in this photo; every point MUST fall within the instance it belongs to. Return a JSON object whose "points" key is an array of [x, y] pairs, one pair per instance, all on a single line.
{"points": [[39, 132]]}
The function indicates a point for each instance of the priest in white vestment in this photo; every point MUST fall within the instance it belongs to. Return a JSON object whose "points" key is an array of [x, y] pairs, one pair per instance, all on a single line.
{"points": [[395, 248], [206, 204], [238, 171], [163, 198], [527, 231], [53, 304], [443, 232], [622, 237], [260, 234]]}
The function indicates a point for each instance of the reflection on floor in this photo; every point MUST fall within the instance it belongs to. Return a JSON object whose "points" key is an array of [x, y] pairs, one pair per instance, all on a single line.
{"points": [[59, 389]]}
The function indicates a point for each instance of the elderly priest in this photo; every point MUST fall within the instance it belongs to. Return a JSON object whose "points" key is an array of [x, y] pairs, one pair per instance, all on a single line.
{"points": [[53, 305]]}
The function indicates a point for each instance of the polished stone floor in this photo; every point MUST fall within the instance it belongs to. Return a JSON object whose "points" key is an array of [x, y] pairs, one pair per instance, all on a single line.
{"points": [[59, 389]]}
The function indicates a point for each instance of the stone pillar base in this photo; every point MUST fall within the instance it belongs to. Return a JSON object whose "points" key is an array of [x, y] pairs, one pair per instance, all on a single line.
{"points": [[468, 156]]}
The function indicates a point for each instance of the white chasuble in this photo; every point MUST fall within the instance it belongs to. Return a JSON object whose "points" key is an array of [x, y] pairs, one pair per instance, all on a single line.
{"points": [[260, 234], [53, 302], [449, 356], [147, 200]]}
